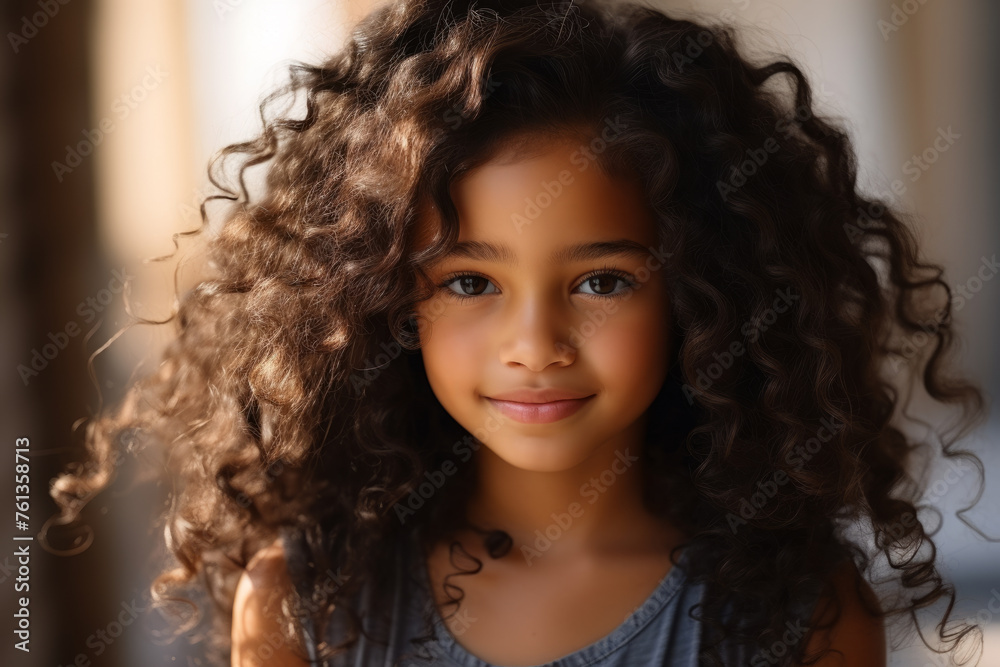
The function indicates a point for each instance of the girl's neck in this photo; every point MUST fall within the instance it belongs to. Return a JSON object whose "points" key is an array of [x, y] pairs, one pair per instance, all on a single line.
{"points": [[593, 510]]}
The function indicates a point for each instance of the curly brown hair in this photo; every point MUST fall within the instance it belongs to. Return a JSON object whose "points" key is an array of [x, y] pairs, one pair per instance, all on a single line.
{"points": [[294, 393]]}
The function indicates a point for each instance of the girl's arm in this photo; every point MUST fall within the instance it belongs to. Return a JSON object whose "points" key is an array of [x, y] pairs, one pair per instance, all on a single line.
{"points": [[257, 639], [856, 634]]}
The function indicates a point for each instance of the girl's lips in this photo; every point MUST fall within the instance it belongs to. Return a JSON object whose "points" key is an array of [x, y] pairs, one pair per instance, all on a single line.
{"points": [[539, 413]]}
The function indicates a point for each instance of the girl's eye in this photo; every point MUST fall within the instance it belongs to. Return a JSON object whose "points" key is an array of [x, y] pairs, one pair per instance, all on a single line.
{"points": [[468, 284], [604, 283]]}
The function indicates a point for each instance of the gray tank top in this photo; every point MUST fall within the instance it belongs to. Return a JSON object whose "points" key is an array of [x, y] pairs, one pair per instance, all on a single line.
{"points": [[659, 632]]}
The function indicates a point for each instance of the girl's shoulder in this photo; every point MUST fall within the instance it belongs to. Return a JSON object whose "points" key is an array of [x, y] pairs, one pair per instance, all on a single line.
{"points": [[856, 632], [256, 626]]}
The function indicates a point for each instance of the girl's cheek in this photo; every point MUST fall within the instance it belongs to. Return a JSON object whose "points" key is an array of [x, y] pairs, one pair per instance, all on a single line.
{"points": [[640, 317], [453, 347], [629, 344], [449, 327]]}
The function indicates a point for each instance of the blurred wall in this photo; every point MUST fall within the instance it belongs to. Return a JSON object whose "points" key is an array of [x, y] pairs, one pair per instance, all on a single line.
{"points": [[49, 262]]}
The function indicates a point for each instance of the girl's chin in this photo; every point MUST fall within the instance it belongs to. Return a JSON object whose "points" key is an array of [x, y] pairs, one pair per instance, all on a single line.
{"points": [[540, 454]]}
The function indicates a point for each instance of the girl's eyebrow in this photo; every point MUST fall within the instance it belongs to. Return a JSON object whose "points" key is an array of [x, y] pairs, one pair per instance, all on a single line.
{"points": [[502, 254]]}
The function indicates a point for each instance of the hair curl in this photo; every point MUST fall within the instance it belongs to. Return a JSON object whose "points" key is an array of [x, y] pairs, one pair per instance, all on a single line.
{"points": [[294, 393]]}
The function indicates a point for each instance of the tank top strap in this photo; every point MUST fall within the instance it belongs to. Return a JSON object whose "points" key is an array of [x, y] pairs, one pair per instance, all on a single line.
{"points": [[297, 563], [384, 620]]}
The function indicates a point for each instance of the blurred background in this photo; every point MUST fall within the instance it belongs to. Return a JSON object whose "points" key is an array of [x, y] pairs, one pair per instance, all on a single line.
{"points": [[112, 109]]}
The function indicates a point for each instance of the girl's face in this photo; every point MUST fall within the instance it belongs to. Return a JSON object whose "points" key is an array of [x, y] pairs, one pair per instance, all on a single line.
{"points": [[556, 284]]}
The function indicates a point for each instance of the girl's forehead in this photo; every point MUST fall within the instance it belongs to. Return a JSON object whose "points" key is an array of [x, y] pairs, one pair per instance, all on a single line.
{"points": [[542, 189], [560, 186]]}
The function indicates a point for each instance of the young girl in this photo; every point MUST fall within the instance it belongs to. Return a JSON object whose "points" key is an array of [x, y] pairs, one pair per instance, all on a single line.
{"points": [[561, 335]]}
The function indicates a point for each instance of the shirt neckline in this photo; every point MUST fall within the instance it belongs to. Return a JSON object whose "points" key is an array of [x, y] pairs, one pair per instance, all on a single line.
{"points": [[666, 590]]}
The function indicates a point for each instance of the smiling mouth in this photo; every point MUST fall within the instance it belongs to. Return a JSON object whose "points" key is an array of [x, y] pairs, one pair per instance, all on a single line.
{"points": [[539, 413]]}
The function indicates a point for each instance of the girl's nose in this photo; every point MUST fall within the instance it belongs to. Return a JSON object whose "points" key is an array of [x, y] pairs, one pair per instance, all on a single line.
{"points": [[536, 335]]}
